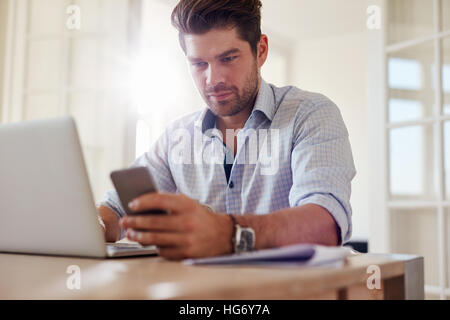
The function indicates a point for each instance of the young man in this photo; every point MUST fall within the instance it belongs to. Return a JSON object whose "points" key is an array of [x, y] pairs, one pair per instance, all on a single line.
{"points": [[236, 204]]}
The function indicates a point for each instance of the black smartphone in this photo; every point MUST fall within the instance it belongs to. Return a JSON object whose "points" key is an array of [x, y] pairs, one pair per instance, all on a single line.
{"points": [[132, 183]]}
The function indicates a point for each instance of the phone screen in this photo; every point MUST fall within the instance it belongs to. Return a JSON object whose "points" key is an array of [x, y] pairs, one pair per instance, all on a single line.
{"points": [[132, 183]]}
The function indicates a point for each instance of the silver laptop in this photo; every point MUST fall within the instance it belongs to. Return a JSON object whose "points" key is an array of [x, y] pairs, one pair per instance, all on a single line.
{"points": [[46, 203]]}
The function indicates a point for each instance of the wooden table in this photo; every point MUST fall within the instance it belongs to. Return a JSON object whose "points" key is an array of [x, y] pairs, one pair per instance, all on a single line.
{"points": [[46, 277]]}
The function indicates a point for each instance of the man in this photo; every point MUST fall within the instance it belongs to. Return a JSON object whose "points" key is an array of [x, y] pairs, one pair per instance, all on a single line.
{"points": [[237, 205]]}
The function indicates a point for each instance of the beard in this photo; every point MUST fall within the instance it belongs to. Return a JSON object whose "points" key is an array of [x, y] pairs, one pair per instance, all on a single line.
{"points": [[238, 101]]}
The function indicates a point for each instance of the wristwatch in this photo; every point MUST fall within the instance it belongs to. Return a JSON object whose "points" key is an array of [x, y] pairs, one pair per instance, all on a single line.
{"points": [[242, 238]]}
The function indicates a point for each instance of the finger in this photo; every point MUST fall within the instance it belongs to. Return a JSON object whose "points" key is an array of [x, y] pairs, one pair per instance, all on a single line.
{"points": [[165, 239], [153, 223], [164, 201]]}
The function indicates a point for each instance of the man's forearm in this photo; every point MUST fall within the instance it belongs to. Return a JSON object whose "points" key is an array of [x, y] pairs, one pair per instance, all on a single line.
{"points": [[309, 223], [111, 221]]}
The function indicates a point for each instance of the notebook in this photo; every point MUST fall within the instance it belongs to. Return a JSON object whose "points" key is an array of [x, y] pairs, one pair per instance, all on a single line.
{"points": [[299, 254]]}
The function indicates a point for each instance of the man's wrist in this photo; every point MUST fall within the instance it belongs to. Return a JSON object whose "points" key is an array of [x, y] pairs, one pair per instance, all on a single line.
{"points": [[111, 222], [229, 234], [262, 225], [243, 236], [233, 233]]}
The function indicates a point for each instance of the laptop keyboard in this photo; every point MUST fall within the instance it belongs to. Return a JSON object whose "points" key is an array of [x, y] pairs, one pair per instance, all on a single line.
{"points": [[119, 246]]}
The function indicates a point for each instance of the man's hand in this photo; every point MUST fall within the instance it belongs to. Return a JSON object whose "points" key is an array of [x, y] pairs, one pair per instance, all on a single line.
{"points": [[189, 231]]}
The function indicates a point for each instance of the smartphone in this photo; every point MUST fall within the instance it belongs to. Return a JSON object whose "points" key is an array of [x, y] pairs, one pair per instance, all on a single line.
{"points": [[132, 183]]}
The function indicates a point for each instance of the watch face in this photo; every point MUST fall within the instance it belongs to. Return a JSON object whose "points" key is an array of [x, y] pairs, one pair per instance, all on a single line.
{"points": [[246, 242]]}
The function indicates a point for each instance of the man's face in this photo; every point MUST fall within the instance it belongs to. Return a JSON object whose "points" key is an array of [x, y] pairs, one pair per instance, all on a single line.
{"points": [[224, 70]]}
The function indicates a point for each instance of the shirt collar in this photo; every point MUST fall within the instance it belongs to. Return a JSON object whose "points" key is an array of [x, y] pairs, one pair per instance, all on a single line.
{"points": [[206, 120], [265, 103]]}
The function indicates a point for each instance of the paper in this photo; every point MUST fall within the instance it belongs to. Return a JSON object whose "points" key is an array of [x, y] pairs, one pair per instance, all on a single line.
{"points": [[300, 254]]}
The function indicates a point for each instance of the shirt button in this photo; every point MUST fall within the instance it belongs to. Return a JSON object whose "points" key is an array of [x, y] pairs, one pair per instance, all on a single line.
{"points": [[231, 185]]}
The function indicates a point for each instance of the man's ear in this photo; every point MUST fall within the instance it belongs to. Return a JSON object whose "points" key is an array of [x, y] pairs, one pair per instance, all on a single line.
{"points": [[263, 50]]}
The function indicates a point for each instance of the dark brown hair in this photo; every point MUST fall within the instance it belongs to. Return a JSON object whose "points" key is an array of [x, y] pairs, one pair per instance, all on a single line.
{"points": [[200, 16]]}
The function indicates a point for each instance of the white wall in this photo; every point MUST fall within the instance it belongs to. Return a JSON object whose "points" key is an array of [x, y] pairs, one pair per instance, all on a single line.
{"points": [[329, 57], [3, 21], [335, 66]]}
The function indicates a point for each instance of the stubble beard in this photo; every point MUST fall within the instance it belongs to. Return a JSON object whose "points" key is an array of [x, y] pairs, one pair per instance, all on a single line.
{"points": [[238, 102]]}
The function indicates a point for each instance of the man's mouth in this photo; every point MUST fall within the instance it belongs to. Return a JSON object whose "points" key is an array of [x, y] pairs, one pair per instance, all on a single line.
{"points": [[220, 96]]}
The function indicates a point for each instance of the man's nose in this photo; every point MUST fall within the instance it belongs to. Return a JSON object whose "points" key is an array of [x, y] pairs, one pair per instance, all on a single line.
{"points": [[215, 75]]}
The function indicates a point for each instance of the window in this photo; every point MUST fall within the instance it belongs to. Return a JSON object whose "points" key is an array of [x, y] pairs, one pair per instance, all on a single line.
{"points": [[446, 75], [57, 71], [162, 89], [413, 135]]}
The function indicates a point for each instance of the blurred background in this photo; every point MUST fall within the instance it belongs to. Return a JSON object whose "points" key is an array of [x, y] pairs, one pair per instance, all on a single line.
{"points": [[116, 67]]}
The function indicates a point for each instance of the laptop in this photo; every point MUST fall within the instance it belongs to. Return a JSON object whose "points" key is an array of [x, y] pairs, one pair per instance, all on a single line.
{"points": [[46, 203]]}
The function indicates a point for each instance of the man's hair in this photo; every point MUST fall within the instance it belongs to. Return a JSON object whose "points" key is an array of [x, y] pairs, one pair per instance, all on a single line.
{"points": [[201, 16]]}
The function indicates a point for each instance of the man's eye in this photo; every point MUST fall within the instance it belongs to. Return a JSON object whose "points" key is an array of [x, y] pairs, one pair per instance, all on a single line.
{"points": [[229, 59], [199, 64]]}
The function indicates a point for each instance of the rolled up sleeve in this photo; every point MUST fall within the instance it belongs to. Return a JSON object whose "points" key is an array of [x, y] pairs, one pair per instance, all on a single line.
{"points": [[322, 164]]}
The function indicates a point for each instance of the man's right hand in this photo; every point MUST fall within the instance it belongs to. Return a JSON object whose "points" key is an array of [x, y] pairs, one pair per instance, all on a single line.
{"points": [[111, 221]]}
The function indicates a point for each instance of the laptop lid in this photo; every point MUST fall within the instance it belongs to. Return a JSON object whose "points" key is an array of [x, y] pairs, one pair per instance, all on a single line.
{"points": [[46, 203]]}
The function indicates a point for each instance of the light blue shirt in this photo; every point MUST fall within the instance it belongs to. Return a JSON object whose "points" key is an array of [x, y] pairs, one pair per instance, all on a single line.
{"points": [[293, 150]]}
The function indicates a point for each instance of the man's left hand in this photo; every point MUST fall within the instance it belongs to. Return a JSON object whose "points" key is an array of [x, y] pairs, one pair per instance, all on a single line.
{"points": [[189, 231]]}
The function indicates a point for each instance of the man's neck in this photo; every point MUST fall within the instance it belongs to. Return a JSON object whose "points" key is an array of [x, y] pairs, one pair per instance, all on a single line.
{"points": [[235, 123]]}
